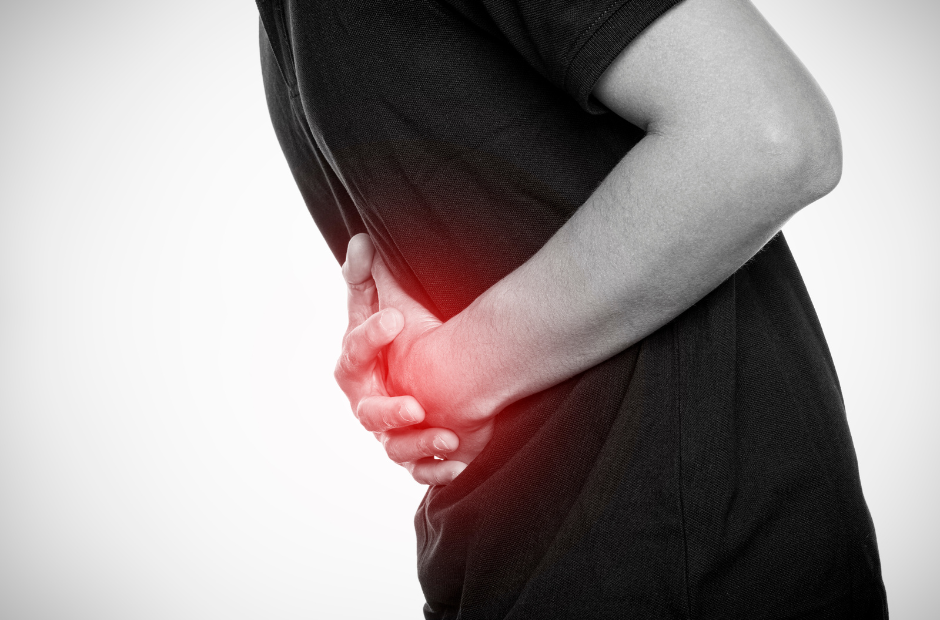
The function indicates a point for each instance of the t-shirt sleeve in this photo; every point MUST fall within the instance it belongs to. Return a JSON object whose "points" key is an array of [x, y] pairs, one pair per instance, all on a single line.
{"points": [[572, 42]]}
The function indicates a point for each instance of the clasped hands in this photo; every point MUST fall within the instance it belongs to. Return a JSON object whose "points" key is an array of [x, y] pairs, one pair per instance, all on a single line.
{"points": [[393, 369]]}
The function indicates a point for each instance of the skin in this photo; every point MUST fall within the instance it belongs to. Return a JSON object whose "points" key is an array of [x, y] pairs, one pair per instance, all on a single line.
{"points": [[739, 138], [360, 372]]}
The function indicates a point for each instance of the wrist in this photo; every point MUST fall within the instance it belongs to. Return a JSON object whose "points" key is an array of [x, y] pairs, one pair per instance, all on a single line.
{"points": [[472, 373], [451, 379]]}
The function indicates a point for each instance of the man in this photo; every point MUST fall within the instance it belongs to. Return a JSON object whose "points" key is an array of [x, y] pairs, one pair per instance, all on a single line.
{"points": [[561, 197]]}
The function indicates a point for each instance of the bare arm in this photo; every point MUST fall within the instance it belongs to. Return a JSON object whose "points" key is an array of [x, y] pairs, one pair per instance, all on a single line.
{"points": [[739, 138]]}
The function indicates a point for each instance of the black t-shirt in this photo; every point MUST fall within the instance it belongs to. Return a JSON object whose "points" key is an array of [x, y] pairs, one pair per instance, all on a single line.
{"points": [[708, 470]]}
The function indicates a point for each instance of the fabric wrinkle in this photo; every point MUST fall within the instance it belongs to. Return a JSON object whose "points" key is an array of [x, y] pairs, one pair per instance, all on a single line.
{"points": [[706, 472]]}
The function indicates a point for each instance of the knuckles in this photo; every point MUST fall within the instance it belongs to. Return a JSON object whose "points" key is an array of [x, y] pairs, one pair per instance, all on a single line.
{"points": [[397, 448], [374, 415], [393, 451], [341, 372]]}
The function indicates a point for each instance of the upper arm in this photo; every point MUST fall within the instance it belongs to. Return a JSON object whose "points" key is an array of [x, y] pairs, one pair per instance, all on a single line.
{"points": [[717, 71]]}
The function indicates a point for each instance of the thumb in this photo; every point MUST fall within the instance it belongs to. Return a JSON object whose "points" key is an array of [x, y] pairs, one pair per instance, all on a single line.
{"points": [[359, 255], [361, 300]]}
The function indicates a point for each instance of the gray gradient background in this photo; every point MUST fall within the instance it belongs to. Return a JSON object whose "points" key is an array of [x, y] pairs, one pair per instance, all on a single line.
{"points": [[171, 444]]}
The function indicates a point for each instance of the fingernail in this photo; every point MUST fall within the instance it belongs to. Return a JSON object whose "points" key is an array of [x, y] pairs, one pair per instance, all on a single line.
{"points": [[389, 321], [406, 416], [439, 444]]}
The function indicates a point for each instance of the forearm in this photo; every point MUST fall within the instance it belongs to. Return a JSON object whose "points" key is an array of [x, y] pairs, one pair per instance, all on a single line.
{"points": [[672, 221], [739, 138]]}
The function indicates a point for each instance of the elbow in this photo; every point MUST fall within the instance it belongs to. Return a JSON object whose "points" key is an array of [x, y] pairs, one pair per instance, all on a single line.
{"points": [[818, 161], [828, 171], [803, 156]]}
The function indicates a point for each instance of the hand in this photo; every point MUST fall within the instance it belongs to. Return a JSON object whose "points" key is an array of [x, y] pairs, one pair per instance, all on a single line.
{"points": [[360, 374], [417, 365]]}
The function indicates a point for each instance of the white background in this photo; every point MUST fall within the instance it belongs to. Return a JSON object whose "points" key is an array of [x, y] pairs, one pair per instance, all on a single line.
{"points": [[171, 444]]}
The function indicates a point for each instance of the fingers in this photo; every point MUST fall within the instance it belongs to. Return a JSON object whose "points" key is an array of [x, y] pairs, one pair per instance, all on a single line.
{"points": [[409, 445], [369, 332], [362, 298], [435, 472], [363, 344], [383, 413]]}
